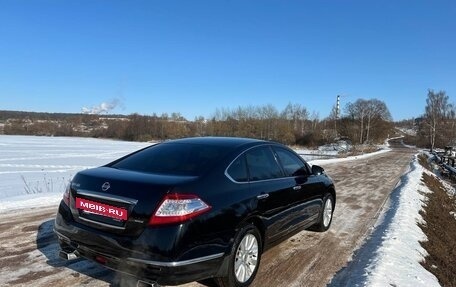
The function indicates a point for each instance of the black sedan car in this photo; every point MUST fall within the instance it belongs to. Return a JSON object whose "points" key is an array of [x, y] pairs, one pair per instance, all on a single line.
{"points": [[193, 209]]}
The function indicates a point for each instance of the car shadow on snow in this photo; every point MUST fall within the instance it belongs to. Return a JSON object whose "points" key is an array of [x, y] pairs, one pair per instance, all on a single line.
{"points": [[47, 243], [355, 274]]}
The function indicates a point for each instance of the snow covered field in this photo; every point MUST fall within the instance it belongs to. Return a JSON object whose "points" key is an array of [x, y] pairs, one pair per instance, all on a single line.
{"points": [[40, 167]]}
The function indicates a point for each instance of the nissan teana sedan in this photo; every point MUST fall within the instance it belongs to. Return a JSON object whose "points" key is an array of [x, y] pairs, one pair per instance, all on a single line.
{"points": [[193, 209]]}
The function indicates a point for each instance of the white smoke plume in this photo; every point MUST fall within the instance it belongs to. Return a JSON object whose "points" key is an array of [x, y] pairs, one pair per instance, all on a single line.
{"points": [[103, 108]]}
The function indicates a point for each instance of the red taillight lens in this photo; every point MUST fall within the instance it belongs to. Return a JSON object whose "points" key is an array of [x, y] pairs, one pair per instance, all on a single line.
{"points": [[177, 208], [101, 259], [66, 195]]}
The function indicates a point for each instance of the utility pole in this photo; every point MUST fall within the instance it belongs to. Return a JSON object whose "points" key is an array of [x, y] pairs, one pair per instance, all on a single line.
{"points": [[337, 113], [338, 107]]}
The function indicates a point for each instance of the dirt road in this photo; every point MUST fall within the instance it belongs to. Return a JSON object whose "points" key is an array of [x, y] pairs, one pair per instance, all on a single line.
{"points": [[28, 247]]}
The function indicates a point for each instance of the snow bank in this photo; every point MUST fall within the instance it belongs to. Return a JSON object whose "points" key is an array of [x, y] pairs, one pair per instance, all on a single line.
{"points": [[350, 158], [408, 131], [30, 201], [397, 259]]}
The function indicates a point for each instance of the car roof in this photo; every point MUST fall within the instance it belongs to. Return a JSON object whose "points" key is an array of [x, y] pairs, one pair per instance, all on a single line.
{"points": [[219, 141]]}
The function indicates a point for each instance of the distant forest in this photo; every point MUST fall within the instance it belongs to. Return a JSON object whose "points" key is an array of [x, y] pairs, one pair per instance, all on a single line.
{"points": [[293, 125], [362, 122]]}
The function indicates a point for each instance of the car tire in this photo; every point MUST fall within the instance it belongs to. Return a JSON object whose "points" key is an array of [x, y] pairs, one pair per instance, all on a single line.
{"points": [[244, 259], [326, 215]]}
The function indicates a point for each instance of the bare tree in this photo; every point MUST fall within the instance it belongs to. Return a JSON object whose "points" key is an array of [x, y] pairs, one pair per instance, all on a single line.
{"points": [[437, 109], [376, 110], [367, 113], [452, 124], [297, 115], [315, 120], [358, 111]]}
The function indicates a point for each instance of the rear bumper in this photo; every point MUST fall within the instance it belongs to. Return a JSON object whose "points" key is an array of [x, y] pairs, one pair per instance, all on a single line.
{"points": [[135, 257]]}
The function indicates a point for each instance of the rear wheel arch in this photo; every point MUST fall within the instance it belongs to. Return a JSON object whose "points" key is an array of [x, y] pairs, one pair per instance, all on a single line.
{"points": [[325, 216], [258, 223]]}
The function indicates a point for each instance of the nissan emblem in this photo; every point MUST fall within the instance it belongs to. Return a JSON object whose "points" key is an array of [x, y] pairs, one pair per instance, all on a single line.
{"points": [[106, 186]]}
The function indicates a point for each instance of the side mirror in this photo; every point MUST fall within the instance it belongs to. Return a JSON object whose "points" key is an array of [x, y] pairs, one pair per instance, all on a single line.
{"points": [[317, 170]]}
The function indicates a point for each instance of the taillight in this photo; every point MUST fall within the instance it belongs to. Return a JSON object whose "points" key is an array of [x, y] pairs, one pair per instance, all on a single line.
{"points": [[66, 195], [177, 208]]}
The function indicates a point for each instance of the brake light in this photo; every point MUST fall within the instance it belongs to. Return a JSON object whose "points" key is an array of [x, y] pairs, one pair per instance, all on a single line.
{"points": [[177, 208], [66, 195]]}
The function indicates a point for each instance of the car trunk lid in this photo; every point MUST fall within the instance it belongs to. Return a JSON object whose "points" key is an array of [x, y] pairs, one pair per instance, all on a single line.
{"points": [[119, 201]]}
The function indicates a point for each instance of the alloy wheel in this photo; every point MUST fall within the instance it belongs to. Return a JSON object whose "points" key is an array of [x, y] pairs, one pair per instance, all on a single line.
{"points": [[246, 258], [327, 212]]}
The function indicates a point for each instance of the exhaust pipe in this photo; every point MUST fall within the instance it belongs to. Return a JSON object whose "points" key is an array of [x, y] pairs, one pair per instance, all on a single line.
{"points": [[68, 255]]}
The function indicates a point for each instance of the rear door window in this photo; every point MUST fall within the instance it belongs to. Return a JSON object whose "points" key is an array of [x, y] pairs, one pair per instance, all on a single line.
{"points": [[262, 164]]}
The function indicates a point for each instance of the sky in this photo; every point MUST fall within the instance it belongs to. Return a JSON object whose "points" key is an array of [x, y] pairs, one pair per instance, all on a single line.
{"points": [[193, 57]]}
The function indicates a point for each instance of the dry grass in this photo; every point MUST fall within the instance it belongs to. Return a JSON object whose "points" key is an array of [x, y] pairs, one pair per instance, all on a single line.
{"points": [[423, 160], [440, 229]]}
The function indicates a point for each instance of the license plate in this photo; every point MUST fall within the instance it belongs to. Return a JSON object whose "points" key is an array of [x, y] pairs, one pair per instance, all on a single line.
{"points": [[101, 209]]}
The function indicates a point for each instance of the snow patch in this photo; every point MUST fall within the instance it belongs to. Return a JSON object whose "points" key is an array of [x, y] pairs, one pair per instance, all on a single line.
{"points": [[350, 158], [408, 131], [397, 260]]}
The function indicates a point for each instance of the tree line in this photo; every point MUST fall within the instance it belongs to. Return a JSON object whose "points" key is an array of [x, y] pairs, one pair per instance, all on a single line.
{"points": [[365, 121]]}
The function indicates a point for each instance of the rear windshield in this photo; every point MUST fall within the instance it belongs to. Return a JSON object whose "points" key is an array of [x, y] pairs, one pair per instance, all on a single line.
{"points": [[173, 159]]}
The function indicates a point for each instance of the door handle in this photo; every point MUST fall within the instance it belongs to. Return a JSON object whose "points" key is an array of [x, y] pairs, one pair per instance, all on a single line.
{"points": [[297, 187], [263, 196]]}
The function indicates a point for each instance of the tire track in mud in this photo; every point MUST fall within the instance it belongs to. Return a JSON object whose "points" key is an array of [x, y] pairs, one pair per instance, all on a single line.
{"points": [[28, 253], [28, 247]]}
